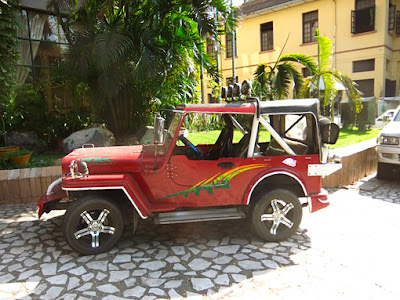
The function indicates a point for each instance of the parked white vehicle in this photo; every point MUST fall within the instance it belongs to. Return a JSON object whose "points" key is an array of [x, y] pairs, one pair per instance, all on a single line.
{"points": [[388, 148], [384, 118]]}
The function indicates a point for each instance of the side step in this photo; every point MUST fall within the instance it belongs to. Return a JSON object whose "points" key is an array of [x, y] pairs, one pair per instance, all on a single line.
{"points": [[199, 215]]}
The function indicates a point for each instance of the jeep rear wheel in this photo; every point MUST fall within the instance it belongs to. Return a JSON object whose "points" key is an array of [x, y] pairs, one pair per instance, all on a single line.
{"points": [[276, 215], [93, 225]]}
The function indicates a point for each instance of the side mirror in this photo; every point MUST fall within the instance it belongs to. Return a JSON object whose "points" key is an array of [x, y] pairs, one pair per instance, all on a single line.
{"points": [[158, 129], [329, 131]]}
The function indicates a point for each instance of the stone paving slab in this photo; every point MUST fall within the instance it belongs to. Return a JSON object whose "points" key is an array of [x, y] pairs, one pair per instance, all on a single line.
{"points": [[347, 251]]}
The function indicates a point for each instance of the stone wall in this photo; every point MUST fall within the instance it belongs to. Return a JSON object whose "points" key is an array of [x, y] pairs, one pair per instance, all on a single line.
{"points": [[26, 185]]}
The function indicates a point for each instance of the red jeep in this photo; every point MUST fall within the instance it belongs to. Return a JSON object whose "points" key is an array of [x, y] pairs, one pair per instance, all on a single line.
{"points": [[267, 163]]}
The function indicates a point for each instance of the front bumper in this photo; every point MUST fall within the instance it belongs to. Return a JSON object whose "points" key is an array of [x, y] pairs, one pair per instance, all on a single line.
{"points": [[388, 155], [53, 194], [318, 201]]}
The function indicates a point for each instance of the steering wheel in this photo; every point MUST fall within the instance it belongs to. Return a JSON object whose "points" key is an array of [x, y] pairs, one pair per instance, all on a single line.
{"points": [[190, 147]]}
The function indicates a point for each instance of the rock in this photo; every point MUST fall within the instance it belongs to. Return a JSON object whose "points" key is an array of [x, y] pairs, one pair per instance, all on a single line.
{"points": [[146, 135], [98, 136], [25, 140]]}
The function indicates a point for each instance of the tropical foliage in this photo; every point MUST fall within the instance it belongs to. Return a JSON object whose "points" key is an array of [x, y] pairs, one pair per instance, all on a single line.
{"points": [[8, 55], [277, 81], [129, 55], [329, 76]]}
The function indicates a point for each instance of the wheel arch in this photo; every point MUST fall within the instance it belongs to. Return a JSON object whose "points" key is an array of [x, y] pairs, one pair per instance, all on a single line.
{"points": [[126, 202], [276, 180]]}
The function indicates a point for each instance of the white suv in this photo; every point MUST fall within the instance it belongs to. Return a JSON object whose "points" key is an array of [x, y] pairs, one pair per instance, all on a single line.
{"points": [[388, 148]]}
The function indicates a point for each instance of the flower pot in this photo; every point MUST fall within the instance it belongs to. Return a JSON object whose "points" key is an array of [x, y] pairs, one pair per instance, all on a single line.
{"points": [[21, 160], [8, 149]]}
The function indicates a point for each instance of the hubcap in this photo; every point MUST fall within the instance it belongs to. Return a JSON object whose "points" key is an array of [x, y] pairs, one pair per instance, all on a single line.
{"points": [[94, 227], [278, 216]]}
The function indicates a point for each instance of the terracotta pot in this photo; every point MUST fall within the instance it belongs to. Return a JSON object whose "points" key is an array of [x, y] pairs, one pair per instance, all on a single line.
{"points": [[8, 149], [21, 160]]}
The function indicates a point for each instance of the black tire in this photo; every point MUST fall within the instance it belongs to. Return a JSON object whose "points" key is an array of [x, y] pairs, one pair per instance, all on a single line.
{"points": [[100, 231], [282, 211], [385, 171]]}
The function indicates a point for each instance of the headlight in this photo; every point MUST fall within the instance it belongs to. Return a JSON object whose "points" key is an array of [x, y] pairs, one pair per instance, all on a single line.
{"points": [[388, 140]]}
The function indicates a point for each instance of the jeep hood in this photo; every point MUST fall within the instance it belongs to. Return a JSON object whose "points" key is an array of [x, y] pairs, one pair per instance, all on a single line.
{"points": [[101, 160], [392, 129]]}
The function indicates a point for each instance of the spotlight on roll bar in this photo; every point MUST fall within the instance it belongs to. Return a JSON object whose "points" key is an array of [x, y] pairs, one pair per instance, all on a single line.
{"points": [[237, 91]]}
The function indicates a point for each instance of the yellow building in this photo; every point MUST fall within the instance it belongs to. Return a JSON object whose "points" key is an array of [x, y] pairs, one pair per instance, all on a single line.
{"points": [[365, 36]]}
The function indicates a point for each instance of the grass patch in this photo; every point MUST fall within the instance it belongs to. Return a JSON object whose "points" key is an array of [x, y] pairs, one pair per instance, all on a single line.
{"points": [[350, 136], [347, 136]]}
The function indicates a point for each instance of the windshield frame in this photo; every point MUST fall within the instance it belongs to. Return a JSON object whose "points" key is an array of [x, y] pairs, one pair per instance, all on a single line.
{"points": [[397, 115], [172, 129]]}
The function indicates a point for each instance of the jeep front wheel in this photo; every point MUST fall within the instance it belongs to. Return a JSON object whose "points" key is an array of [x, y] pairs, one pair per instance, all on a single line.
{"points": [[93, 225], [276, 215]]}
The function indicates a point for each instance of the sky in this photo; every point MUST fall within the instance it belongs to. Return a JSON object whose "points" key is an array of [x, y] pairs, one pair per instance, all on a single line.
{"points": [[237, 2]]}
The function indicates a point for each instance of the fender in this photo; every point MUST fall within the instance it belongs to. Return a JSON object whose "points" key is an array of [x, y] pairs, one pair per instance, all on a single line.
{"points": [[262, 176], [123, 182], [316, 201]]}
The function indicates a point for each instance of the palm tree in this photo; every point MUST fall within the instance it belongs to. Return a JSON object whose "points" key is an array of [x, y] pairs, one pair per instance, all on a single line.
{"points": [[326, 74], [275, 82], [128, 53]]}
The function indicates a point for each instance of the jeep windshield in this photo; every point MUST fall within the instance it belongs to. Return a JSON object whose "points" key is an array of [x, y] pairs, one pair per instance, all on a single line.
{"points": [[173, 126]]}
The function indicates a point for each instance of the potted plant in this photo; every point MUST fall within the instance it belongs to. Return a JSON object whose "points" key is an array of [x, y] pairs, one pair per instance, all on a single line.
{"points": [[19, 157]]}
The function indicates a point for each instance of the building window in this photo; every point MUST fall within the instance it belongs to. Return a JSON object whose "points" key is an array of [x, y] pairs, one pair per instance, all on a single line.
{"points": [[229, 49], [392, 16], [267, 36], [310, 24], [211, 47], [42, 44], [390, 88], [366, 86], [398, 22], [364, 65], [363, 17]]}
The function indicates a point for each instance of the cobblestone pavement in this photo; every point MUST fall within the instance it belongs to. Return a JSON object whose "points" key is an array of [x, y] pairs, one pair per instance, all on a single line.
{"points": [[347, 251]]}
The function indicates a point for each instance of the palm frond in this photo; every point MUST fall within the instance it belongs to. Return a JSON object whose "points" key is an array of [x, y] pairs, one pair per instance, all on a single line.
{"points": [[330, 91], [305, 90], [352, 91], [297, 79], [282, 81], [302, 59], [109, 47], [261, 74], [324, 52], [110, 82]]}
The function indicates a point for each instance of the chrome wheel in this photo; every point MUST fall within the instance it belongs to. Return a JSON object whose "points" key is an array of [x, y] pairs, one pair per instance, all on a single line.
{"points": [[276, 215], [93, 225]]}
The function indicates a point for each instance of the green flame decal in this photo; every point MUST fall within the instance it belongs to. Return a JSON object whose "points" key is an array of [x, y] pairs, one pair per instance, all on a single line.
{"points": [[92, 161], [218, 181]]}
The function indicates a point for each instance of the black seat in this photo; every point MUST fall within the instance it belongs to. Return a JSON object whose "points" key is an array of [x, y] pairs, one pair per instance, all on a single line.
{"points": [[223, 145], [274, 149], [241, 148]]}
